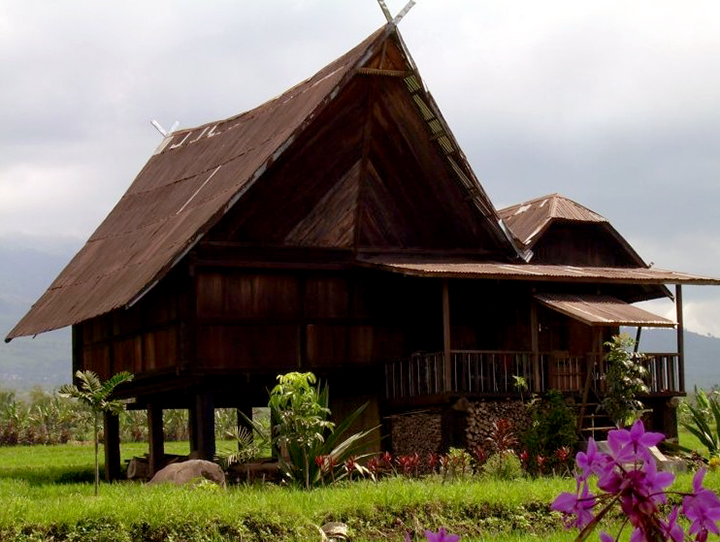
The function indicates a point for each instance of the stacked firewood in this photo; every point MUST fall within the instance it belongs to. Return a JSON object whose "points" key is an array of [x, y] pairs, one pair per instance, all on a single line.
{"points": [[482, 415], [419, 432]]}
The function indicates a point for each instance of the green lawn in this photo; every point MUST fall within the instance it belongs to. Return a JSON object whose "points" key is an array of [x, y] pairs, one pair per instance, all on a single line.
{"points": [[688, 440], [47, 491]]}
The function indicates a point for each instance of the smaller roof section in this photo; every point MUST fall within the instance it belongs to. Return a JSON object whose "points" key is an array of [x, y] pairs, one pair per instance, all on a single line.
{"points": [[602, 310], [562, 232], [528, 220]]}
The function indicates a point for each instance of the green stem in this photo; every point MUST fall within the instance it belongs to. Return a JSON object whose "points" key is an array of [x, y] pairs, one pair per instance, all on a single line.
{"points": [[97, 462]]}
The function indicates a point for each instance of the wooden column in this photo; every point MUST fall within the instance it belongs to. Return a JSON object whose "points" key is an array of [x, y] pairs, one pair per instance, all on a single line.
{"points": [[447, 367], [192, 429], [111, 442], [205, 425], [156, 438], [77, 349], [535, 346], [680, 336]]}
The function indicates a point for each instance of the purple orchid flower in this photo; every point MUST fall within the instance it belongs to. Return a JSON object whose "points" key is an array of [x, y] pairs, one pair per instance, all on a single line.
{"points": [[670, 528], [702, 508], [633, 445], [578, 506], [629, 476], [441, 536], [592, 461]]}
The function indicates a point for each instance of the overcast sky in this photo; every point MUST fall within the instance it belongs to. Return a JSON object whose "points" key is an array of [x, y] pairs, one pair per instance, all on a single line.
{"points": [[615, 104]]}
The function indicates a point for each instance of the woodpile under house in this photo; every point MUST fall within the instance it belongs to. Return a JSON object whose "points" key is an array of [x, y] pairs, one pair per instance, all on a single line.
{"points": [[339, 229]]}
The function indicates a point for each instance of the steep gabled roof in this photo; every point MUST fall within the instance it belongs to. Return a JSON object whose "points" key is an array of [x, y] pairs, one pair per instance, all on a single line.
{"points": [[197, 175], [530, 220]]}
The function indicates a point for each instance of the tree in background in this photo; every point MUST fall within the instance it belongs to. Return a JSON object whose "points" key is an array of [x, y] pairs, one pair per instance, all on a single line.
{"points": [[96, 394]]}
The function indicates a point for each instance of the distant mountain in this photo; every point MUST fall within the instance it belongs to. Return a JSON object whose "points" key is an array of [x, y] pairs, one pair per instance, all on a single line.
{"points": [[27, 267], [25, 273], [702, 355]]}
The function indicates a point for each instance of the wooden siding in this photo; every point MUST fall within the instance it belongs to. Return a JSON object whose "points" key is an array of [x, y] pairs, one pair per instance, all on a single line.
{"points": [[259, 321], [572, 243], [410, 198], [142, 339]]}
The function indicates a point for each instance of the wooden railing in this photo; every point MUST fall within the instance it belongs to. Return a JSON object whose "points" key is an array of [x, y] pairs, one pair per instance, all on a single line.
{"points": [[492, 372], [476, 372], [664, 373]]}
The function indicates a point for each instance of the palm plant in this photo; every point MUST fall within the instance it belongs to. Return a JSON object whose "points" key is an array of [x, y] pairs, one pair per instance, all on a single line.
{"points": [[96, 394]]}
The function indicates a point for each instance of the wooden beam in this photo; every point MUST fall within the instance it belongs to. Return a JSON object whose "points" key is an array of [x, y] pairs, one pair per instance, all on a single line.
{"points": [[447, 372], [111, 443], [535, 346], [386, 73], [77, 349], [680, 336], [156, 438]]}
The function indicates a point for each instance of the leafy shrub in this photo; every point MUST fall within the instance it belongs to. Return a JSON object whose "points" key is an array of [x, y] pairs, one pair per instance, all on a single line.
{"points": [[503, 466], [502, 436], [457, 463], [553, 427], [625, 380], [309, 442]]}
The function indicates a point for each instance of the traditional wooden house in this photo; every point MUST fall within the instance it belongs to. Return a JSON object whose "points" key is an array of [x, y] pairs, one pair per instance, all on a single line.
{"points": [[339, 228]]}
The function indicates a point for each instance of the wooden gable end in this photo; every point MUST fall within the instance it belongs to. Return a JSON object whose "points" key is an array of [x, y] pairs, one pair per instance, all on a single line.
{"points": [[308, 197], [585, 244], [367, 174], [410, 198]]}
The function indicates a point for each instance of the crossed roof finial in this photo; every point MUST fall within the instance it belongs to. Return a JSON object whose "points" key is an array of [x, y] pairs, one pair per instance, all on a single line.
{"points": [[395, 20]]}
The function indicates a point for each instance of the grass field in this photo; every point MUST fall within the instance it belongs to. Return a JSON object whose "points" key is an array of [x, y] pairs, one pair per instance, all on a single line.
{"points": [[46, 494], [47, 491]]}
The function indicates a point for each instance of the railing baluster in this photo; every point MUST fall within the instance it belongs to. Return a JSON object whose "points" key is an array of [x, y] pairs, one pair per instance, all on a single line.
{"points": [[479, 372]]}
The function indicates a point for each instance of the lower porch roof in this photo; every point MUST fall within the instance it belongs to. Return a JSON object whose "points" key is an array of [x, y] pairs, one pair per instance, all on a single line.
{"points": [[602, 310]]}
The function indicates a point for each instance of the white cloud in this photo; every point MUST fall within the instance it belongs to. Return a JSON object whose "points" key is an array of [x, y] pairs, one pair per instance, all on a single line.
{"points": [[612, 103]]}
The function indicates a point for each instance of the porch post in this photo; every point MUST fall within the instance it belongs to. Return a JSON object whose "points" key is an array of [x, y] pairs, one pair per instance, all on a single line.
{"points": [[680, 336], [111, 438], [205, 429], [535, 346], [156, 438], [447, 372]]}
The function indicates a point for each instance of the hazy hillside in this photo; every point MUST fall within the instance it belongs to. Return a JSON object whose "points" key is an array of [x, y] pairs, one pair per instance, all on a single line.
{"points": [[25, 273], [27, 269], [702, 355]]}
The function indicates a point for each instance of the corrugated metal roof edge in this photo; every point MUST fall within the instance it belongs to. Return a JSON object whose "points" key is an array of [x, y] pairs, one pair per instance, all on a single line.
{"points": [[629, 315], [541, 273]]}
